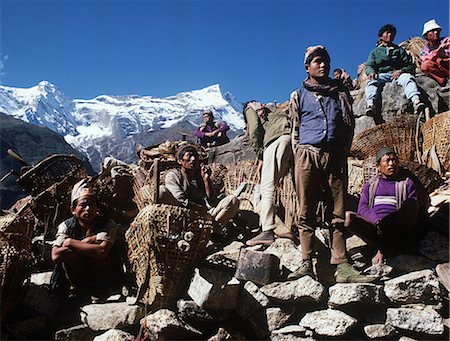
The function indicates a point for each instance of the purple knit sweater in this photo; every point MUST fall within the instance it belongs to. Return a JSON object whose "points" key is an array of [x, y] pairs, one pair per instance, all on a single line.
{"points": [[385, 202]]}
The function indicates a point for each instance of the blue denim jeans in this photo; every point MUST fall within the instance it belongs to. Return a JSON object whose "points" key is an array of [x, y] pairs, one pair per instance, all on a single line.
{"points": [[406, 80]]}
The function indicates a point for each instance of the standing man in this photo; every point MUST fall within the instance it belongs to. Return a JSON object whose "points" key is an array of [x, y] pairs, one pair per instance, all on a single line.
{"points": [[322, 135], [387, 63], [269, 130], [212, 133]]}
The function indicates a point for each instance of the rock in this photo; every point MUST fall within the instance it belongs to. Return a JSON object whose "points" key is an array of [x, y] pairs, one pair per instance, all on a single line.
{"points": [[41, 278], [288, 253], [111, 315], [302, 289], [226, 334], [230, 251], [378, 270], [30, 329], [292, 333], [258, 267], [426, 321], [40, 299], [362, 293], [114, 335], [277, 316], [76, 333], [379, 331], [443, 272], [354, 242], [410, 263], [165, 325], [251, 299], [415, 287], [190, 312], [238, 149], [214, 289], [435, 247], [328, 322]]}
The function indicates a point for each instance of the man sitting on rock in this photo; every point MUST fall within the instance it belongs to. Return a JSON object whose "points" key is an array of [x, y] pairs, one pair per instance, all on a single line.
{"points": [[269, 131], [390, 63], [82, 249], [190, 186], [212, 133], [388, 208]]}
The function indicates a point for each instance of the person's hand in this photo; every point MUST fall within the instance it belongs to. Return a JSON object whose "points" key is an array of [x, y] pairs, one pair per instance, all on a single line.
{"points": [[396, 74], [205, 172], [378, 258], [259, 168], [67, 242], [90, 240], [372, 76]]}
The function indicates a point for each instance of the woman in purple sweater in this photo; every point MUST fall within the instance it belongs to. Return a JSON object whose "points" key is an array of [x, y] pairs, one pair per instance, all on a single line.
{"points": [[211, 133]]}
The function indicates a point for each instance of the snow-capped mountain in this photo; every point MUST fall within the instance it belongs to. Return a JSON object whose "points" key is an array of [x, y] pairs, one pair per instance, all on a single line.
{"points": [[115, 125]]}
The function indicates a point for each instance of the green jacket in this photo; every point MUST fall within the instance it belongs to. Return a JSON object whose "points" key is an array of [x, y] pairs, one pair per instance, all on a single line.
{"points": [[264, 130], [384, 59]]}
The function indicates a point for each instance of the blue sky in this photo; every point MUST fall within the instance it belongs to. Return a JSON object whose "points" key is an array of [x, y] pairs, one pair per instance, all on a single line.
{"points": [[254, 49]]}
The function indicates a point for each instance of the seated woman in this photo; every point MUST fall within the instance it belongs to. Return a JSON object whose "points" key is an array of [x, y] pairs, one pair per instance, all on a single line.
{"points": [[211, 133], [435, 54]]}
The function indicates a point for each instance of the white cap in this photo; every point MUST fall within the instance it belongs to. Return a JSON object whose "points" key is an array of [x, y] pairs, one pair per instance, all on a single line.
{"points": [[430, 25]]}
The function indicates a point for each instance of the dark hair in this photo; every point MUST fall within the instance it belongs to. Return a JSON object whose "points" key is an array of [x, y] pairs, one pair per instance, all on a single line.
{"points": [[185, 150], [387, 27], [209, 113], [318, 52], [382, 152], [245, 108], [338, 70]]}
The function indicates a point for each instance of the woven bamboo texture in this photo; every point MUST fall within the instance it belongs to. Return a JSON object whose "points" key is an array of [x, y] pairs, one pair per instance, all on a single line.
{"points": [[436, 131], [52, 169], [399, 134], [15, 259], [414, 46], [164, 243], [238, 173]]}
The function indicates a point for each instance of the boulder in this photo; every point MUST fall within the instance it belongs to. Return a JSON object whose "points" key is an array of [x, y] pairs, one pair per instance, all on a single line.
{"points": [[226, 334], [361, 293], [277, 316], [443, 272], [415, 287], [238, 149], [111, 315], [214, 289], [328, 322], [426, 321], [251, 300], [41, 278], [302, 289], [230, 251], [114, 335], [379, 331], [165, 325], [288, 253], [76, 333], [188, 311], [292, 333], [410, 263], [435, 247]]}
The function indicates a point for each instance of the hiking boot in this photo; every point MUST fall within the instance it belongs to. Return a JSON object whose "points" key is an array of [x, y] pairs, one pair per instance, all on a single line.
{"points": [[369, 111], [346, 273], [418, 107], [304, 270], [264, 238]]}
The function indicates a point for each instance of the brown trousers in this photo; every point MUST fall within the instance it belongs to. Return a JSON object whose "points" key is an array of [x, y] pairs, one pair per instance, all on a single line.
{"points": [[321, 175]]}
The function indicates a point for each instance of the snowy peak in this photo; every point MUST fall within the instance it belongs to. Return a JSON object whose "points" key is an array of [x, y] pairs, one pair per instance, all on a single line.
{"points": [[42, 105]]}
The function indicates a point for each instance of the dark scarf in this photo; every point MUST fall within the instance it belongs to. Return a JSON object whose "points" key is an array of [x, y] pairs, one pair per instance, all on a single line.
{"points": [[334, 88]]}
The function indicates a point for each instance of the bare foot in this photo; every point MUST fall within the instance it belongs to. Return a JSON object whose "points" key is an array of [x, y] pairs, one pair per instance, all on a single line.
{"points": [[378, 258]]}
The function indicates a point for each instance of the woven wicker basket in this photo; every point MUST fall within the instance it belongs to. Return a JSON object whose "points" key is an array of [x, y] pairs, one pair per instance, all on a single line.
{"points": [[15, 265], [242, 171], [436, 131], [52, 169], [400, 135], [164, 243]]}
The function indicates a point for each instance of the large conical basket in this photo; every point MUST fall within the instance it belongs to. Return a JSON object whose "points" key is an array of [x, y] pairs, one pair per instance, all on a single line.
{"points": [[399, 134], [164, 244], [436, 132], [15, 258]]}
